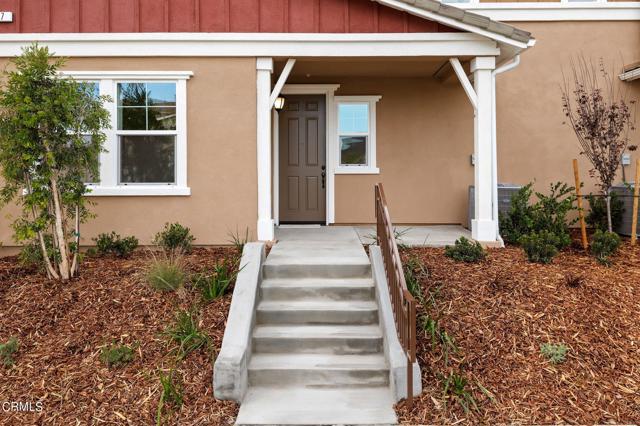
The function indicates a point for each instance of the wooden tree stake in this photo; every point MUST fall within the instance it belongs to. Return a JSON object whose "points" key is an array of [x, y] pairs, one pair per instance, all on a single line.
{"points": [[636, 192], [583, 226]]}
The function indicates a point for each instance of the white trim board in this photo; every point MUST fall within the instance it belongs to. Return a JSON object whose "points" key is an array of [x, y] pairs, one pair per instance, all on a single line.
{"points": [[557, 11], [253, 44]]}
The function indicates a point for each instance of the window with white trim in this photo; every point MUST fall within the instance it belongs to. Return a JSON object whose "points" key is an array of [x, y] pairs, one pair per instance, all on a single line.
{"points": [[356, 134], [146, 145]]}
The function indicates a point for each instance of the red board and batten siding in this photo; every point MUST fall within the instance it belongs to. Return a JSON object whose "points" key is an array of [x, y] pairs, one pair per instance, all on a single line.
{"points": [[277, 16]]}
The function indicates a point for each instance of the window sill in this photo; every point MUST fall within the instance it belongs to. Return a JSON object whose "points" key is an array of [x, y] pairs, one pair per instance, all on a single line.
{"points": [[138, 190], [357, 170]]}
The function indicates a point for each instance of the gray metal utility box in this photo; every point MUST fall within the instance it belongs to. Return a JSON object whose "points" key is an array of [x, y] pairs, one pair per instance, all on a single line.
{"points": [[505, 192], [626, 195]]}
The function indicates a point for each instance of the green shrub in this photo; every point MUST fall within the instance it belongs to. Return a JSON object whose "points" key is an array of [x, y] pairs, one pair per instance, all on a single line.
{"points": [[30, 255], [186, 333], [8, 350], [604, 244], [540, 247], [555, 353], [166, 274], [113, 244], [174, 238], [549, 213], [597, 216], [519, 220], [170, 396], [115, 355], [465, 251], [215, 284]]}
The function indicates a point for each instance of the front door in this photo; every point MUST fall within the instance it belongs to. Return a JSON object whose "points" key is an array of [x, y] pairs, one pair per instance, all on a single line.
{"points": [[302, 160]]}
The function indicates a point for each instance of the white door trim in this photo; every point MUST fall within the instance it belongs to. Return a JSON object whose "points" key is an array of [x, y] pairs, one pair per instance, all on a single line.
{"points": [[328, 90]]}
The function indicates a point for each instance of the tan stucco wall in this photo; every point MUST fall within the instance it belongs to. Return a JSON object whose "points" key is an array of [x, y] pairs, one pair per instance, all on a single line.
{"points": [[425, 128], [221, 156]]}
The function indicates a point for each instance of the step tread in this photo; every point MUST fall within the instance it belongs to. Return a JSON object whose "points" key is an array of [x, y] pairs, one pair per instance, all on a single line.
{"points": [[317, 305], [308, 406], [318, 331], [317, 362], [317, 282]]}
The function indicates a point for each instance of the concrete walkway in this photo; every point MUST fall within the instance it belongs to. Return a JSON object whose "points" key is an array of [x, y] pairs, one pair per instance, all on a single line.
{"points": [[419, 235], [317, 355]]}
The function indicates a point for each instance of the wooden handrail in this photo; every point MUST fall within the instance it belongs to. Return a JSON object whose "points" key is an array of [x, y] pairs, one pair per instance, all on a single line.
{"points": [[402, 302]]}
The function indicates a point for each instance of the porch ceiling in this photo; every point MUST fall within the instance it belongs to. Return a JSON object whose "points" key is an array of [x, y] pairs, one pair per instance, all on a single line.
{"points": [[363, 67]]}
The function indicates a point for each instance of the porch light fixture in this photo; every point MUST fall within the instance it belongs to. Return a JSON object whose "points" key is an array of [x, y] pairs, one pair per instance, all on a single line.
{"points": [[279, 103]]}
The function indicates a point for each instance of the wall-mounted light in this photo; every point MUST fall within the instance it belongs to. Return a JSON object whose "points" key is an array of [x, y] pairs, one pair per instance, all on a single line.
{"points": [[279, 103]]}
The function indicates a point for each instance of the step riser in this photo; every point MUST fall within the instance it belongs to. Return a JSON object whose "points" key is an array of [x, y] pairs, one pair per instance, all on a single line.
{"points": [[319, 378], [318, 293], [333, 345], [316, 271], [317, 317]]}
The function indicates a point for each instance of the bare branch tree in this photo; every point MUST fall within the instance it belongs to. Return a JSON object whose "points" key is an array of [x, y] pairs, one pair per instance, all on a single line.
{"points": [[602, 118]]}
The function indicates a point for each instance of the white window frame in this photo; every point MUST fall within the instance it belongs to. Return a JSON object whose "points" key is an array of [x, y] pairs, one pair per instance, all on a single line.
{"points": [[371, 166], [109, 160]]}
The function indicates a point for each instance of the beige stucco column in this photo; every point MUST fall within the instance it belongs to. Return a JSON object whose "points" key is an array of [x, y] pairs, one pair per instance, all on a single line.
{"points": [[484, 226]]}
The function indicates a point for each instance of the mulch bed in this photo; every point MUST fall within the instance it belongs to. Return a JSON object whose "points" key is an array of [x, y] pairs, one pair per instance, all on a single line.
{"points": [[62, 328], [501, 310]]}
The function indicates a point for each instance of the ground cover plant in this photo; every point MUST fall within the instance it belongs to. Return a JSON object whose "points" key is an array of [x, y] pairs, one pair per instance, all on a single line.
{"points": [[7, 351], [114, 244], [62, 329], [174, 238], [465, 251], [604, 244], [510, 320]]}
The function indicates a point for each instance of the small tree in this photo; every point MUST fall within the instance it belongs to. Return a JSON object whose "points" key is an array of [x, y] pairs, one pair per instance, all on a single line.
{"points": [[602, 118], [50, 139]]}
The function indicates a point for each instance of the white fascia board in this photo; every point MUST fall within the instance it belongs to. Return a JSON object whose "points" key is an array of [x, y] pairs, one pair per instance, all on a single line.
{"points": [[450, 22], [128, 75], [547, 11], [253, 44]]}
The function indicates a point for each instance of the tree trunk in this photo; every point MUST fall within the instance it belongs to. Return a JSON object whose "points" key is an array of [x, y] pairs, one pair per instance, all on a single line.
{"points": [[51, 272], [74, 264], [59, 231], [609, 222]]}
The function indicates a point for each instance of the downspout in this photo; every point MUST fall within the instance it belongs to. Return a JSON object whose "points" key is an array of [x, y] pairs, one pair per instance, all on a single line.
{"points": [[494, 147]]}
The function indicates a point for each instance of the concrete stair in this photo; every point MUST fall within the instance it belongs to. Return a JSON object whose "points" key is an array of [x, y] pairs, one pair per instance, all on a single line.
{"points": [[317, 348]]}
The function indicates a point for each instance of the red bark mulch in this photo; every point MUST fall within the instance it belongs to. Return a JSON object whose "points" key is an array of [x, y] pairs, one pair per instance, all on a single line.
{"points": [[62, 328], [501, 310]]}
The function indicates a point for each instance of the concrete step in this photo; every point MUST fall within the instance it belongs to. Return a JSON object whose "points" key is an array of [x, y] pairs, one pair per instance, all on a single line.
{"points": [[317, 312], [318, 370], [318, 289], [303, 406], [316, 270], [325, 339]]}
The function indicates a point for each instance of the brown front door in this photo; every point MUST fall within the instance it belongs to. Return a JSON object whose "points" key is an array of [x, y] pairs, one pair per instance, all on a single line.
{"points": [[302, 160]]}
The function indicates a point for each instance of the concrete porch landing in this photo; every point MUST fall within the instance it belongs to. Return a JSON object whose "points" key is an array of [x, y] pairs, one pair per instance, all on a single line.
{"points": [[419, 235]]}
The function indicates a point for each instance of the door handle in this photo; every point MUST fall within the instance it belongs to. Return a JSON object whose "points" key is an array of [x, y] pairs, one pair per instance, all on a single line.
{"points": [[324, 175]]}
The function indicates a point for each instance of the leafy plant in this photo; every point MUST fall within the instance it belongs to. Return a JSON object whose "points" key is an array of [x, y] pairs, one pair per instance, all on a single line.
{"points": [[604, 245], [540, 247], [597, 109], [174, 238], [597, 216], [215, 284], [170, 395], [549, 213], [413, 271], [465, 251], [430, 327], [30, 255], [8, 350], [115, 355], [448, 345], [519, 220], [166, 274], [114, 244], [239, 241], [555, 353], [45, 154], [455, 387], [186, 333]]}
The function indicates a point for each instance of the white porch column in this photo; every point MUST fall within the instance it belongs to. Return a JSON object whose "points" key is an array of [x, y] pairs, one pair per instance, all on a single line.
{"points": [[264, 67], [484, 226]]}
